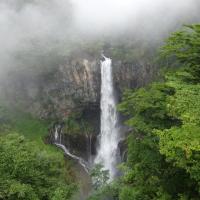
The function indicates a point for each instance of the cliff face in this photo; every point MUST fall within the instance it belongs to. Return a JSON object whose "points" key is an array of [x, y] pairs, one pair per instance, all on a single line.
{"points": [[131, 75], [73, 86], [77, 83]]}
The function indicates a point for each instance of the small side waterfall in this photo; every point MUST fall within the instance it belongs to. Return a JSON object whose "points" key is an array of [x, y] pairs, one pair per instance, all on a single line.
{"points": [[58, 143], [108, 152]]}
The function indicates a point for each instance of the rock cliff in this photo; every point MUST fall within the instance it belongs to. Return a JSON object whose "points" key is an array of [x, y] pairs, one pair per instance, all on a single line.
{"points": [[72, 87]]}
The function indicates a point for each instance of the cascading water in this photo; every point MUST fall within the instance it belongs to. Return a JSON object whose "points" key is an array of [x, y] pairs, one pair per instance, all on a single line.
{"points": [[108, 152], [58, 143], [56, 134]]}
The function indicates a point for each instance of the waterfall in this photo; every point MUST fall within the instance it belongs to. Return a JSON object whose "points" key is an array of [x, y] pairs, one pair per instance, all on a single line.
{"points": [[108, 152], [82, 162], [56, 135], [58, 143]]}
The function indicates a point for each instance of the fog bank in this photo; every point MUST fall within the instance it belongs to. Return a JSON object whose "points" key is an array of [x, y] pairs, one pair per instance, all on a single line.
{"points": [[32, 31]]}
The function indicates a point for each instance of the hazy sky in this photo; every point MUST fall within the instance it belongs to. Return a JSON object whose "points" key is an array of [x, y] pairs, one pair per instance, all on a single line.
{"points": [[108, 15], [41, 25]]}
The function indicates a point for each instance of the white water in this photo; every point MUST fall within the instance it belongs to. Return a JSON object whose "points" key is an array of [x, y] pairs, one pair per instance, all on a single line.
{"points": [[58, 143], [109, 137], [108, 152], [80, 160], [56, 134]]}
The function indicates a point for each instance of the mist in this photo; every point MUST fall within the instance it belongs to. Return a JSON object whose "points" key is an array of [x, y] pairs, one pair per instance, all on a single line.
{"points": [[117, 16], [33, 31]]}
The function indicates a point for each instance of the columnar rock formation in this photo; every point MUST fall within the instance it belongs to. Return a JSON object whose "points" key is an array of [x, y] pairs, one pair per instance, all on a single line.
{"points": [[74, 85]]}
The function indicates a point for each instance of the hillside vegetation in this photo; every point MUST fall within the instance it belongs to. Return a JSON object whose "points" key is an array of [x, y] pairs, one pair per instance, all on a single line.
{"points": [[164, 149], [31, 170]]}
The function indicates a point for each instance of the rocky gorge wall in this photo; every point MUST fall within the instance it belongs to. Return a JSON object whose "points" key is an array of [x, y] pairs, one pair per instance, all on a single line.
{"points": [[72, 87]]}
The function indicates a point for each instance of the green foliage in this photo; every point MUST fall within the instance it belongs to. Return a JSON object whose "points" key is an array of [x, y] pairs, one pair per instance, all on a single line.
{"points": [[72, 126], [18, 121], [99, 176], [28, 172], [166, 122], [164, 149], [101, 188], [184, 48], [148, 107], [185, 103], [108, 191], [181, 144], [76, 124], [63, 192]]}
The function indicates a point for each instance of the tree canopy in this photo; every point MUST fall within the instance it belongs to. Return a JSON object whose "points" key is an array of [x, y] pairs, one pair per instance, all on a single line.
{"points": [[163, 161], [29, 172]]}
